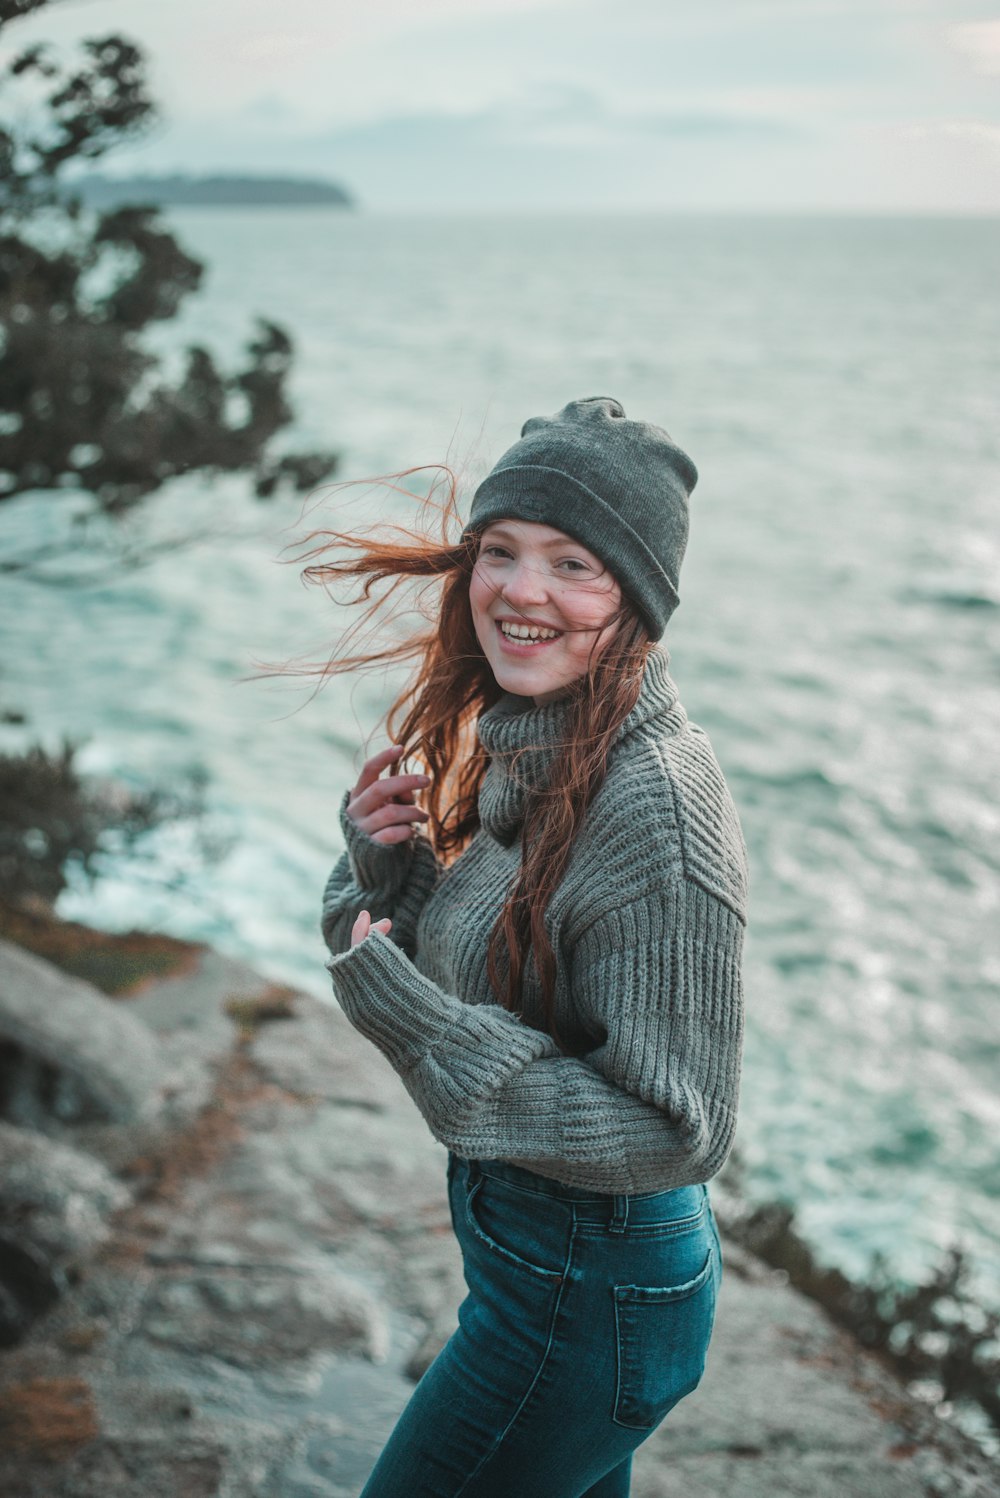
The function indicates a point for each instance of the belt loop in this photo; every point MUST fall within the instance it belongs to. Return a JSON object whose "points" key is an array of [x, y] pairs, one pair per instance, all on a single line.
{"points": [[474, 1171], [619, 1215]]}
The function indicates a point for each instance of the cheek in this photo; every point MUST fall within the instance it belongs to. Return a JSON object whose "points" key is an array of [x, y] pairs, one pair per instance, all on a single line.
{"points": [[480, 597], [592, 619]]}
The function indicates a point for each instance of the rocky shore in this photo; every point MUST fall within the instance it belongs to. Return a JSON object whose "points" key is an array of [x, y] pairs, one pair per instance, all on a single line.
{"points": [[226, 1255]]}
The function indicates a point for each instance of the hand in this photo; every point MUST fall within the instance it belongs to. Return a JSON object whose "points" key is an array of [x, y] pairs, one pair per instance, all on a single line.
{"points": [[384, 809], [363, 925]]}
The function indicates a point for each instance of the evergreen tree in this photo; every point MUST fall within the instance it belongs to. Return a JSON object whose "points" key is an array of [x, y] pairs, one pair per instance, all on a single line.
{"points": [[85, 405]]}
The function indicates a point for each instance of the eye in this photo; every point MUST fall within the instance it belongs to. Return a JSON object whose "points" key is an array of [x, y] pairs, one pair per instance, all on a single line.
{"points": [[573, 562], [485, 550]]}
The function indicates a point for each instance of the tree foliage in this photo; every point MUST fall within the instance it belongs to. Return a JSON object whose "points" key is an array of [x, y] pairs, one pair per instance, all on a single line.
{"points": [[88, 407], [85, 404], [51, 817]]}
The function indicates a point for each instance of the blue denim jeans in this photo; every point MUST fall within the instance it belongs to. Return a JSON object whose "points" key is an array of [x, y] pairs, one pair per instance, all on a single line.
{"points": [[587, 1319]]}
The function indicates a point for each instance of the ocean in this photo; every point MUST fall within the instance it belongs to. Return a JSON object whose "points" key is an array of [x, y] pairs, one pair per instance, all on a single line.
{"points": [[836, 381]]}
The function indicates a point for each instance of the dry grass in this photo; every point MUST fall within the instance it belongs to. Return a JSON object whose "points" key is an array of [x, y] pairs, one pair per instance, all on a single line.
{"points": [[120, 965], [47, 1418]]}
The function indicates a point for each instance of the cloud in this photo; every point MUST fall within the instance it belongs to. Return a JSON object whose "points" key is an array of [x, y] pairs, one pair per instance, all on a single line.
{"points": [[563, 117], [979, 41], [561, 114], [713, 125], [271, 111], [980, 132], [535, 102], [279, 47]]}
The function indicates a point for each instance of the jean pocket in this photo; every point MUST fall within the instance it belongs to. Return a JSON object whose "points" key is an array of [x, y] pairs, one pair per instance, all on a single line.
{"points": [[515, 1226], [662, 1334]]}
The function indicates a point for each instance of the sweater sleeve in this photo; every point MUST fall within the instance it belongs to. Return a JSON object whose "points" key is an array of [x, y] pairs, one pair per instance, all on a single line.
{"points": [[386, 879], [651, 1107]]}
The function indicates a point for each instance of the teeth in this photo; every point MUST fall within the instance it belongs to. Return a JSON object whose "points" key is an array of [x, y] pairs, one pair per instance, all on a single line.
{"points": [[529, 632]]}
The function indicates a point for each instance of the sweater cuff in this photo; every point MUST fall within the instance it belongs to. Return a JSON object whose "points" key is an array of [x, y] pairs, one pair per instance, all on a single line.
{"points": [[388, 1000], [378, 867], [408, 1017]]}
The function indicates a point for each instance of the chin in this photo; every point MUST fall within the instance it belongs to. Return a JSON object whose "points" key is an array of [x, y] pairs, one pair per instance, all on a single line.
{"points": [[522, 682]]}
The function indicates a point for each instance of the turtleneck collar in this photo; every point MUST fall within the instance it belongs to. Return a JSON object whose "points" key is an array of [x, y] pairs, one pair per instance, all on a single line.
{"points": [[514, 722]]}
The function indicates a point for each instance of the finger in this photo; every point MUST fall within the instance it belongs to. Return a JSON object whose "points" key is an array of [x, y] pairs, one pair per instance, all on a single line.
{"points": [[394, 784], [392, 813], [391, 816], [382, 791], [405, 795], [389, 835], [383, 925], [398, 819], [360, 928], [372, 768]]}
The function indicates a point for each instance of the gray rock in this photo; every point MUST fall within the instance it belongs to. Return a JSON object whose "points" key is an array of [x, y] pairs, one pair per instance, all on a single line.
{"points": [[230, 1334], [81, 1051], [54, 1196], [257, 1317], [54, 1205]]}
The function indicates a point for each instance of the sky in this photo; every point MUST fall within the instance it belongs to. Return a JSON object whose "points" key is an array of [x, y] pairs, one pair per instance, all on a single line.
{"points": [[887, 106]]}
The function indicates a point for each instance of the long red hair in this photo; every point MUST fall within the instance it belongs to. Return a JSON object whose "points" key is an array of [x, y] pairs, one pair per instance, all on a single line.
{"points": [[434, 717]]}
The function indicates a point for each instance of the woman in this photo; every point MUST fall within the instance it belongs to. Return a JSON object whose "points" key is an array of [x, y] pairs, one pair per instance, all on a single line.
{"points": [[563, 1000]]}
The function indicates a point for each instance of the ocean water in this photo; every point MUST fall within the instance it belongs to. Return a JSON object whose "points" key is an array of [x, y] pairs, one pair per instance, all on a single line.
{"points": [[837, 382]]}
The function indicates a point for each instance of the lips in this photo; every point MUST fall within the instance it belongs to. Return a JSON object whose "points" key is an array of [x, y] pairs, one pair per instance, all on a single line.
{"points": [[531, 623], [523, 647]]}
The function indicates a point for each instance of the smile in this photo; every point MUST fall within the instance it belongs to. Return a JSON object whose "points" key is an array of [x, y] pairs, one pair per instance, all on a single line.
{"points": [[519, 644]]}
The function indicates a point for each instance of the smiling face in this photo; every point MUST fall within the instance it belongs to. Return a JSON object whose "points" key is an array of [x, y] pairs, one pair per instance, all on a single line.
{"points": [[552, 594]]}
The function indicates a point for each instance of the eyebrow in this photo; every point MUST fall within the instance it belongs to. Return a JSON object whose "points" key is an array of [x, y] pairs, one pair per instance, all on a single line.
{"points": [[502, 530]]}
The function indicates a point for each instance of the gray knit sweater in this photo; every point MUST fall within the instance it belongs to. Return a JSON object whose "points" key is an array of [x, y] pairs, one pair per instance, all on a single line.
{"points": [[647, 926]]}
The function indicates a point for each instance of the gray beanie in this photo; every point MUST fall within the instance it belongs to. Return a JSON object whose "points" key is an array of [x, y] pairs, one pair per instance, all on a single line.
{"points": [[620, 487]]}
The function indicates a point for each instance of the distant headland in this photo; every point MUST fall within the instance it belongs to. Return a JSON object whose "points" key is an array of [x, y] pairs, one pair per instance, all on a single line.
{"points": [[218, 191]]}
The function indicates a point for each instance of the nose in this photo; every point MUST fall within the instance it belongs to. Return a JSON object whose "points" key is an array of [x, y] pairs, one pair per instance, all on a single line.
{"points": [[524, 584]]}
